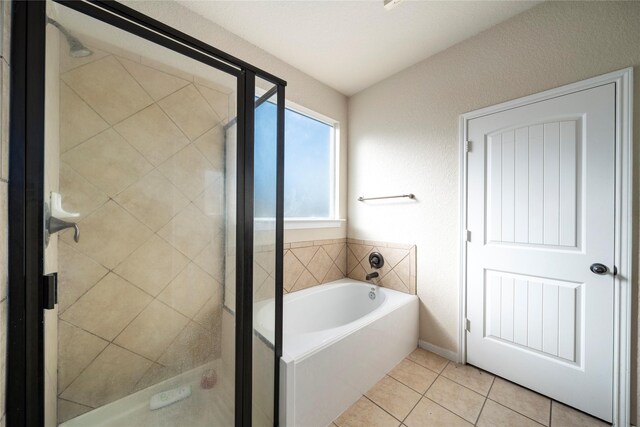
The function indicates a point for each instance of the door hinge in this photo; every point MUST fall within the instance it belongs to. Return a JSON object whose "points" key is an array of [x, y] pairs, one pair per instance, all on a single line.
{"points": [[50, 285], [467, 236], [467, 325], [467, 146]]}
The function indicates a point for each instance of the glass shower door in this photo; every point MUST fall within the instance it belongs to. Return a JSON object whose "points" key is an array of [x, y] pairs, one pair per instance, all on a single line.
{"points": [[137, 152]]}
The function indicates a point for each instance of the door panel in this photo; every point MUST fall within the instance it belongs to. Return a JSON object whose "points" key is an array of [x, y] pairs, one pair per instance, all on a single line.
{"points": [[540, 212]]}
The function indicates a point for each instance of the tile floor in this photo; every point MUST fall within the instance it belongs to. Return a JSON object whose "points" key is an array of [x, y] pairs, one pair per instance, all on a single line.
{"points": [[428, 390]]}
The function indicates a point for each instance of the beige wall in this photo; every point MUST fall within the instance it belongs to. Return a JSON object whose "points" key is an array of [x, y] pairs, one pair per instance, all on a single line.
{"points": [[4, 176], [302, 89], [406, 127]]}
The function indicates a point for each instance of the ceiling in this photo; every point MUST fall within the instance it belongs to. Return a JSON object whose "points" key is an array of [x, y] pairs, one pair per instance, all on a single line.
{"points": [[350, 45]]}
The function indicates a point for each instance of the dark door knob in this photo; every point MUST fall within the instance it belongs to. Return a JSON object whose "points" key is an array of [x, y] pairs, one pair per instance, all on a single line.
{"points": [[598, 268]]}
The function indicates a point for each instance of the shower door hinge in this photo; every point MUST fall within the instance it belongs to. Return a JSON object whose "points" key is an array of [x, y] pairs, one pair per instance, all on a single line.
{"points": [[467, 146], [467, 235], [50, 291], [467, 325]]}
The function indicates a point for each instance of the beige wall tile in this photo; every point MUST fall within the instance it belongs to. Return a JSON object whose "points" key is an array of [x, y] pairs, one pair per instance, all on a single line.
{"points": [[78, 194], [68, 62], [211, 145], [152, 331], [108, 88], [218, 101], [68, 410], [565, 416], [193, 347], [520, 399], [153, 265], [153, 134], [360, 251], [109, 235], [305, 254], [153, 200], [190, 290], [334, 273], [358, 273], [211, 259], [116, 370], [306, 280], [320, 264], [188, 170], [456, 398], [292, 269], [210, 315], [108, 162], [428, 360], [470, 377], [496, 415], [77, 273], [77, 348], [429, 413], [394, 397], [155, 374], [365, 413], [156, 83], [392, 281], [190, 231], [78, 121], [413, 375], [188, 109], [117, 302]]}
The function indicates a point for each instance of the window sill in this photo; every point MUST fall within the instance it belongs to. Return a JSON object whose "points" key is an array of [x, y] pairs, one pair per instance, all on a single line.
{"points": [[298, 223]]}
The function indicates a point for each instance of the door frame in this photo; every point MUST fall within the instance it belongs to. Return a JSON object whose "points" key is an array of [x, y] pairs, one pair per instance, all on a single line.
{"points": [[25, 347], [623, 280]]}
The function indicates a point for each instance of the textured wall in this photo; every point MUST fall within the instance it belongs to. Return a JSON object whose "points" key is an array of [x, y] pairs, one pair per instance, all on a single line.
{"points": [[406, 127], [301, 89], [142, 161], [4, 175]]}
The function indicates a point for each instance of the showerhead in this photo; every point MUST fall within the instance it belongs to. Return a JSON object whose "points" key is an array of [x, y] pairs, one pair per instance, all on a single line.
{"points": [[76, 48]]}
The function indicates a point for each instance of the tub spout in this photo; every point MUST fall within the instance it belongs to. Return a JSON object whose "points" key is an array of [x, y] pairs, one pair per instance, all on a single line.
{"points": [[372, 275]]}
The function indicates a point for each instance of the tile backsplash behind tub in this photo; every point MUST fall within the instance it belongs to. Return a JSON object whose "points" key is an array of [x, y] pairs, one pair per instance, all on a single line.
{"points": [[312, 263], [398, 271]]}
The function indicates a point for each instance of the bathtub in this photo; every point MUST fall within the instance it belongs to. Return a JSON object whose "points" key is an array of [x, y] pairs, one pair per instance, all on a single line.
{"points": [[337, 343]]}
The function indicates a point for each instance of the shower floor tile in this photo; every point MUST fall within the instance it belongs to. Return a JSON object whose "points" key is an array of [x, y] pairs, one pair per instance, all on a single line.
{"points": [[457, 395]]}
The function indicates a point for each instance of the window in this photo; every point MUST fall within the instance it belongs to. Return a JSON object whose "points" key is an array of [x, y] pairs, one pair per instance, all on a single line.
{"points": [[309, 180]]}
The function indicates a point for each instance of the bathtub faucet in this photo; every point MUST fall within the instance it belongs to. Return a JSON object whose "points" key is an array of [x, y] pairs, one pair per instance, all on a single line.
{"points": [[372, 275]]}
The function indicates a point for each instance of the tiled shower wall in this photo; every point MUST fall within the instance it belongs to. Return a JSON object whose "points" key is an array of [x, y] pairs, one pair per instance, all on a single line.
{"points": [[142, 159], [5, 60]]}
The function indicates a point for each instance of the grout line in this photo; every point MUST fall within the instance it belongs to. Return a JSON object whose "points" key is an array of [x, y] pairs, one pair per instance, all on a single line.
{"points": [[484, 402], [511, 409], [392, 416]]}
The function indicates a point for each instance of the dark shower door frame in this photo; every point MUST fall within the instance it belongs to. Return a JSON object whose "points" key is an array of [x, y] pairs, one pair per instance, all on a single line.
{"points": [[25, 351]]}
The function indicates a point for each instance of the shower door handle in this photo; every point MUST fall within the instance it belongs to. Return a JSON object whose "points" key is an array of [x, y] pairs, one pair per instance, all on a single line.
{"points": [[55, 224]]}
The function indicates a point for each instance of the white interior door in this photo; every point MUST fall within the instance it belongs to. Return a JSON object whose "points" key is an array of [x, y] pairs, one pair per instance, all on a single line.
{"points": [[541, 213]]}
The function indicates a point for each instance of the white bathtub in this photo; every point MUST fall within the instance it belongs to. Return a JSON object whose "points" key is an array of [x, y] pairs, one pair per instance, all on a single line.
{"points": [[337, 343]]}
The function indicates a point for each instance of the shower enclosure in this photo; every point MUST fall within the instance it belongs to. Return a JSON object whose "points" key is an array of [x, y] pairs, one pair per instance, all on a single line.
{"points": [[143, 236]]}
